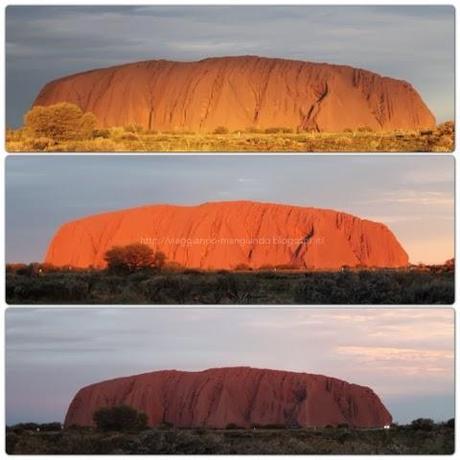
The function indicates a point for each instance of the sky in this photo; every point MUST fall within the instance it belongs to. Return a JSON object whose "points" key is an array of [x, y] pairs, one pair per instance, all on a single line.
{"points": [[413, 195], [413, 43], [405, 355]]}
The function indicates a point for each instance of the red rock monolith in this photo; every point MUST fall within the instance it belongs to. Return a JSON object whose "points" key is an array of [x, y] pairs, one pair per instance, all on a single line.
{"points": [[228, 235], [236, 396], [241, 93]]}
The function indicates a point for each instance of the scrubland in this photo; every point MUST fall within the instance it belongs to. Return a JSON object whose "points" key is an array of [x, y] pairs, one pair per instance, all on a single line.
{"points": [[418, 438], [440, 139], [415, 285], [65, 128]]}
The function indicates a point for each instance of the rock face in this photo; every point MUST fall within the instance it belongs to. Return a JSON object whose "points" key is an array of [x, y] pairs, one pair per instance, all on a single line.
{"points": [[224, 235], [240, 396], [240, 93]]}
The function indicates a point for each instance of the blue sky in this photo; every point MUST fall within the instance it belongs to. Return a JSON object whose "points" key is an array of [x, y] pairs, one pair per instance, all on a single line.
{"points": [[413, 43], [405, 355], [413, 195]]}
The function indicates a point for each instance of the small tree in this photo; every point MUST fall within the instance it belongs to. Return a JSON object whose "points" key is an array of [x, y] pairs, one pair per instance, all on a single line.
{"points": [[115, 259], [133, 257], [88, 123], [423, 424], [120, 418], [60, 122], [138, 256]]}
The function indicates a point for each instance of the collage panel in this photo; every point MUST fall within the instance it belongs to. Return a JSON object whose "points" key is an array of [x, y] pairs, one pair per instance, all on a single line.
{"points": [[230, 230], [248, 78], [230, 381]]}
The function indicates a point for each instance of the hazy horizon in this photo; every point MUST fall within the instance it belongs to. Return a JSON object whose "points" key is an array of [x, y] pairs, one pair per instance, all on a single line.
{"points": [[412, 195], [405, 355], [412, 43]]}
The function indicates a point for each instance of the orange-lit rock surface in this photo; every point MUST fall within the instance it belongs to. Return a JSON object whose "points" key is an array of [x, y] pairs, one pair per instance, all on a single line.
{"points": [[240, 93], [223, 235], [241, 396]]}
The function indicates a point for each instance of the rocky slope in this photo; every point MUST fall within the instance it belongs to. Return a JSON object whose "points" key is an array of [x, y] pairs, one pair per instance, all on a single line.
{"points": [[240, 93], [240, 396], [224, 235]]}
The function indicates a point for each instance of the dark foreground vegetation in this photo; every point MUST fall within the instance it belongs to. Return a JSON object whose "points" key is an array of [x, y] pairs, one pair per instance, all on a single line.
{"points": [[420, 437], [39, 284], [64, 127]]}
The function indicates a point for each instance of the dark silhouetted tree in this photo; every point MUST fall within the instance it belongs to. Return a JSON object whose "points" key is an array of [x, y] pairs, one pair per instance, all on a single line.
{"points": [[120, 418], [423, 424], [133, 257]]}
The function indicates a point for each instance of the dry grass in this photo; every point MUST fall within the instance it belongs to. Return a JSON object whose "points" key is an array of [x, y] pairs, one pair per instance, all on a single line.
{"points": [[440, 139]]}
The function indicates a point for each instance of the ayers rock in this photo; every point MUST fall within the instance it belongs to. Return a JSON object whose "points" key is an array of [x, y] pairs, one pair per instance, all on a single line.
{"points": [[224, 235], [241, 396], [240, 93]]}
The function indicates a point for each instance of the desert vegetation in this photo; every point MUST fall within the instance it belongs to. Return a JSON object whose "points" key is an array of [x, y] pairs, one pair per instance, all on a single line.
{"points": [[65, 128], [161, 282], [422, 436], [120, 418]]}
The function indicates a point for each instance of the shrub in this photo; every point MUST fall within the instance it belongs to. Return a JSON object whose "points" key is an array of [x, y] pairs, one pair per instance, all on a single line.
{"points": [[445, 141], [120, 418], [41, 143], [365, 129], [52, 426], [102, 133], [426, 132], [134, 128], [277, 130], [129, 137], [423, 424], [61, 122], [221, 130], [343, 426], [130, 258], [447, 128], [233, 426]]}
